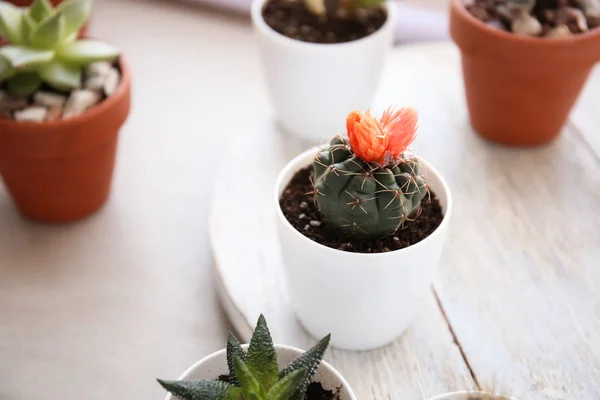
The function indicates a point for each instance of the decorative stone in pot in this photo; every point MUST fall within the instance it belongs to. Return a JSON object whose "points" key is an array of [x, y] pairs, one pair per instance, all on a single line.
{"points": [[261, 370], [524, 64], [361, 224], [320, 60], [472, 396], [63, 101]]}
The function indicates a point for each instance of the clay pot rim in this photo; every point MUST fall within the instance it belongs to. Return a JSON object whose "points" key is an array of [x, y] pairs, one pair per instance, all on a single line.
{"points": [[466, 17], [92, 113]]}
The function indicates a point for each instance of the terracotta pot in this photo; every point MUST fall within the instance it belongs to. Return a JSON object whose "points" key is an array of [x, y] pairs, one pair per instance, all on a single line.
{"points": [[61, 171], [520, 90]]}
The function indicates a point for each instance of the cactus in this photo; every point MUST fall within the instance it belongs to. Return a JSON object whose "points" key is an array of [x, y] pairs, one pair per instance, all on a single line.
{"points": [[44, 46], [254, 374], [367, 184], [323, 8]]}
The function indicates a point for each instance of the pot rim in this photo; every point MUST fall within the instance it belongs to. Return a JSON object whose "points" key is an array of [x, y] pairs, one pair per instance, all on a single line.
{"points": [[298, 161], [95, 111], [465, 16], [260, 24], [465, 393], [284, 347]]}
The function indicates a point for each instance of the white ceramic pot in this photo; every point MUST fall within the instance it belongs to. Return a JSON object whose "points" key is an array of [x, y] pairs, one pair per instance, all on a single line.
{"points": [[471, 395], [313, 86], [214, 365], [364, 300]]}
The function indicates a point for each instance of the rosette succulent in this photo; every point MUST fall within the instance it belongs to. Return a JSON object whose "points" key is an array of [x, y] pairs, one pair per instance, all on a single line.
{"points": [[44, 46], [254, 374], [367, 184]]}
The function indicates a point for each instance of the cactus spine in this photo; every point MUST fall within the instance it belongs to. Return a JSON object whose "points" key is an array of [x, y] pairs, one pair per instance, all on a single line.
{"points": [[368, 198]]}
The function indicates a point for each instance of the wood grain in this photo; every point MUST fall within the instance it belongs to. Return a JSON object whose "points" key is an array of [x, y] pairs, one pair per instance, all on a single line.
{"points": [[520, 275]]}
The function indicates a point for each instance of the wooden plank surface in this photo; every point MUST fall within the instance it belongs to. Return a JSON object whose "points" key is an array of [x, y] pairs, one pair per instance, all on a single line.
{"points": [[518, 276], [521, 271]]}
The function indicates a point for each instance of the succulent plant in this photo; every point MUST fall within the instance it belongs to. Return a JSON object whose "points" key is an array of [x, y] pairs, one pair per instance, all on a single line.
{"points": [[367, 184], [254, 374], [44, 46], [345, 7]]}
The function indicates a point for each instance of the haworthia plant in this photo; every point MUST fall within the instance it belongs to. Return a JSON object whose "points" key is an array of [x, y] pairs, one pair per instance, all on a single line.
{"points": [[255, 374], [44, 45]]}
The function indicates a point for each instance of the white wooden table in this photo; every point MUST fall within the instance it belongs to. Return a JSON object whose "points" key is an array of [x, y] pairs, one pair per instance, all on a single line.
{"points": [[98, 309]]}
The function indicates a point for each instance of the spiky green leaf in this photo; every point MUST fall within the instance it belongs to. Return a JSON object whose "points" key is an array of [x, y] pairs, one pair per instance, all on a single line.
{"points": [[24, 83], [10, 22], [248, 381], [40, 10], [290, 387], [61, 76], [26, 58], [83, 52], [49, 32], [310, 361], [234, 348], [201, 390], [76, 13], [262, 357]]}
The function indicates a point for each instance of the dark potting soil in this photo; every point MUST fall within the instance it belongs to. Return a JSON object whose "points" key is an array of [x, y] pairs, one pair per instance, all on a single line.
{"points": [[291, 18], [300, 210], [550, 13], [315, 390]]}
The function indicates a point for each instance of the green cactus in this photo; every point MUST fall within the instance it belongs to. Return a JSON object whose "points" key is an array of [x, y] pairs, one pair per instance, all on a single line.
{"points": [[44, 46], [364, 199], [254, 374]]}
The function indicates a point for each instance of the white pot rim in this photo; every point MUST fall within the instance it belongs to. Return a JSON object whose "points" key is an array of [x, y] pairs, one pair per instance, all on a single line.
{"points": [[292, 349], [466, 393], [265, 29], [296, 161]]}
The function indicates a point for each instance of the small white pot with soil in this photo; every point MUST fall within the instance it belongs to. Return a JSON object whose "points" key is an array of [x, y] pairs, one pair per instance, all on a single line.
{"points": [[471, 396], [319, 67], [262, 369], [361, 224]]}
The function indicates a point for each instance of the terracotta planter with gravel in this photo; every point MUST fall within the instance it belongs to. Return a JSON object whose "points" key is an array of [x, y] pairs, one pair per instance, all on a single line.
{"points": [[520, 89], [61, 110]]}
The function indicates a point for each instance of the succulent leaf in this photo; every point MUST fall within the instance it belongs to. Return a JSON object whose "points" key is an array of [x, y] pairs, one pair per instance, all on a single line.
{"points": [[201, 390], [24, 57], [24, 84], [249, 383], [28, 25], [290, 387], [6, 68], [262, 357], [309, 361], [40, 10], [61, 76], [49, 32], [10, 22], [76, 13], [234, 348], [83, 52]]}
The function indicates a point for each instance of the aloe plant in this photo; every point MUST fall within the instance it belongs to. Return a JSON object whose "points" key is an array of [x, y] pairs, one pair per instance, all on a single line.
{"points": [[44, 46], [254, 374]]}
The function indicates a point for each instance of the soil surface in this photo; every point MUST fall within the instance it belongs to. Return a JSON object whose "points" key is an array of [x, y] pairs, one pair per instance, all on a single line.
{"points": [[291, 18], [300, 210], [550, 13], [315, 390]]}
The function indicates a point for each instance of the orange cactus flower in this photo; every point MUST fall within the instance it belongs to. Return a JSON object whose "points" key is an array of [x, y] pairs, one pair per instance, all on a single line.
{"points": [[376, 140]]}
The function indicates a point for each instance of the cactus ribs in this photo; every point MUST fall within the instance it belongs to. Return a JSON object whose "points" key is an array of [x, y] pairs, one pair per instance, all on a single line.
{"points": [[299, 208], [291, 18]]}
